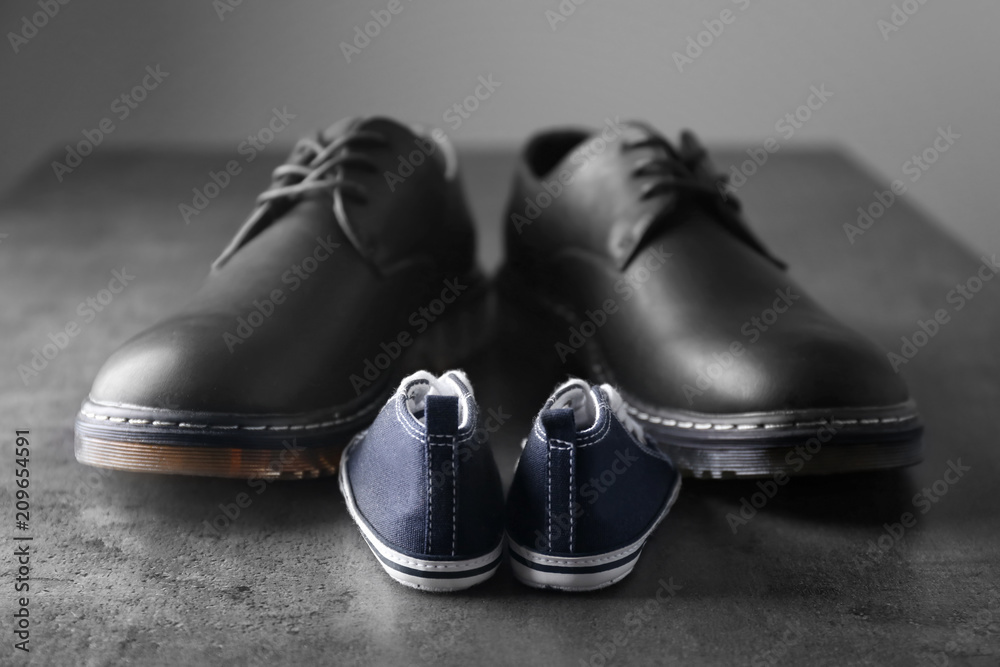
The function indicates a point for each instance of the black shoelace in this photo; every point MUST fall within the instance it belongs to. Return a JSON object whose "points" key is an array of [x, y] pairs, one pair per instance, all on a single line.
{"points": [[314, 165], [687, 170]]}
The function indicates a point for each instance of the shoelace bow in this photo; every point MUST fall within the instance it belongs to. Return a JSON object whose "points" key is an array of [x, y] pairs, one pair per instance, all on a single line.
{"points": [[687, 169], [310, 168]]}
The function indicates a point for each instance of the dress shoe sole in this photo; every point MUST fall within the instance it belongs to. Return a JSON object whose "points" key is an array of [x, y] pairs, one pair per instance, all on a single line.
{"points": [[722, 446], [801, 442], [297, 446], [437, 575], [212, 445]]}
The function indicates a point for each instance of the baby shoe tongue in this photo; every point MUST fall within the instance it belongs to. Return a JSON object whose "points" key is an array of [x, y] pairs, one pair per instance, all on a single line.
{"points": [[575, 395], [452, 385], [416, 399]]}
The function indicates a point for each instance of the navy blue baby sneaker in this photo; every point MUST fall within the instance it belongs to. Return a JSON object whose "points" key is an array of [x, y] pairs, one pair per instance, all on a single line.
{"points": [[422, 485], [587, 493]]}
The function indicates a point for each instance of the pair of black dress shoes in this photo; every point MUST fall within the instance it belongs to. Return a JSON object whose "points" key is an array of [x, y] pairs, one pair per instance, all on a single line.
{"points": [[357, 267]]}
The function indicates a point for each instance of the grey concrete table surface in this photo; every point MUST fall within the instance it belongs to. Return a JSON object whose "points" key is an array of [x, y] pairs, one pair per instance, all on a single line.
{"points": [[126, 571]]}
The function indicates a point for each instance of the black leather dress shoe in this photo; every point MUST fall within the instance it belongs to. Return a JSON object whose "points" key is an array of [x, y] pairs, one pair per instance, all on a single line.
{"points": [[356, 267], [639, 271]]}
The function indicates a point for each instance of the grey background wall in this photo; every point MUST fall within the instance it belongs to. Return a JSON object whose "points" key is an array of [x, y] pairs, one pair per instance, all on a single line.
{"points": [[229, 65]]}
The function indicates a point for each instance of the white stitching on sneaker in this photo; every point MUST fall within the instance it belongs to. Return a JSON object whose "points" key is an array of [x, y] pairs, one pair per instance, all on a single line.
{"points": [[572, 466], [568, 447], [398, 402], [448, 440], [410, 429], [586, 441], [430, 517], [454, 496], [548, 502]]}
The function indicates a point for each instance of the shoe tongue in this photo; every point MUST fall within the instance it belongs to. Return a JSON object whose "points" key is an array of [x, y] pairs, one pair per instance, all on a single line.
{"points": [[597, 157], [575, 395], [373, 225], [600, 183], [341, 127], [601, 178], [421, 385], [358, 123], [404, 134], [406, 185], [404, 139], [401, 134]]}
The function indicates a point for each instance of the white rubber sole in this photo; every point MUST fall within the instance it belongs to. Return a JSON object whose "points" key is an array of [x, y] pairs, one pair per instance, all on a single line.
{"points": [[580, 573], [438, 576]]}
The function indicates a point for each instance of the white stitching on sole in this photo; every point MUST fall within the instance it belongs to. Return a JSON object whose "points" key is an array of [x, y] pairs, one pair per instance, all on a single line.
{"points": [[719, 426], [247, 427]]}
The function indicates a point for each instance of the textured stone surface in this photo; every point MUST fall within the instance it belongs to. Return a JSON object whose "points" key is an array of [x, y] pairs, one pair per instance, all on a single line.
{"points": [[125, 572]]}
